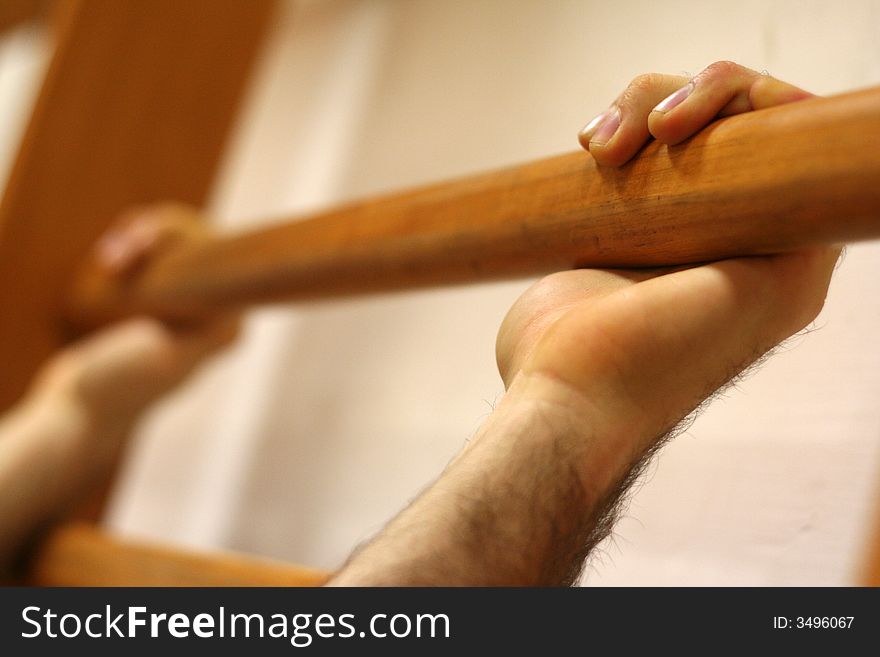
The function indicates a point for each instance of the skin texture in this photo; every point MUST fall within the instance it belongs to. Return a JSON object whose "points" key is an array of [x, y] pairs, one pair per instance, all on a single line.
{"points": [[599, 366]]}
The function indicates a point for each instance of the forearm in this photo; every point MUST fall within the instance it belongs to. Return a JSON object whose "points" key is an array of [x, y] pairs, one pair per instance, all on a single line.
{"points": [[68, 432], [521, 505], [41, 441]]}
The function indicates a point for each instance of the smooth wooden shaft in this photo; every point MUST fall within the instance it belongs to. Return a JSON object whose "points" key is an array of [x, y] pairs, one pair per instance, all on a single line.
{"points": [[788, 177], [78, 554]]}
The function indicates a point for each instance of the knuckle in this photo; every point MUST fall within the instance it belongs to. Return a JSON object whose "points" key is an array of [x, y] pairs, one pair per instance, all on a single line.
{"points": [[722, 68], [642, 84]]}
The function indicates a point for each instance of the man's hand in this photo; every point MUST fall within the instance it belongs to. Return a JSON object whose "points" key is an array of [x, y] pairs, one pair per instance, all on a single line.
{"points": [[69, 429], [671, 108], [636, 351], [599, 366], [116, 373]]}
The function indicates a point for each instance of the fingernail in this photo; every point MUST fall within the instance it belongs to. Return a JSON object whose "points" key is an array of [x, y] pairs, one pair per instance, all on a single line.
{"points": [[674, 99], [606, 128], [587, 131]]}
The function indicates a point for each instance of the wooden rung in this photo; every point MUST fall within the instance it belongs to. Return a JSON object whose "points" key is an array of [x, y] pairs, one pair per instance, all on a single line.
{"points": [[791, 176], [79, 554]]}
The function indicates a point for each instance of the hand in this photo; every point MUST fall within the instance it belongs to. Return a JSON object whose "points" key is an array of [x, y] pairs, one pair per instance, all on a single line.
{"points": [[111, 376], [68, 431], [599, 366], [630, 353], [671, 108]]}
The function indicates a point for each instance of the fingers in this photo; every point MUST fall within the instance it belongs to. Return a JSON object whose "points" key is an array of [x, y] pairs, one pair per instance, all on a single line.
{"points": [[144, 230], [617, 134], [148, 356], [672, 108], [722, 89], [117, 371], [112, 365]]}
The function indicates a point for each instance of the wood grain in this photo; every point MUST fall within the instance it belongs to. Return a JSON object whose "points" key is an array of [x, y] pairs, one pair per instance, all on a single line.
{"points": [[78, 554], [762, 182]]}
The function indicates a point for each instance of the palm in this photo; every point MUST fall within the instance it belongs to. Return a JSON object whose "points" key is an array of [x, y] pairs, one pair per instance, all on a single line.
{"points": [[655, 344], [651, 347]]}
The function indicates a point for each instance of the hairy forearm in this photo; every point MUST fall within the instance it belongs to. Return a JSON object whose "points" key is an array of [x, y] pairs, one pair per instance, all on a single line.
{"points": [[522, 505]]}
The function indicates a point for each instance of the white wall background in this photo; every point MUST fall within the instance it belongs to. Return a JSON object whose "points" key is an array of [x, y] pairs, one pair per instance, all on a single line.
{"points": [[327, 419]]}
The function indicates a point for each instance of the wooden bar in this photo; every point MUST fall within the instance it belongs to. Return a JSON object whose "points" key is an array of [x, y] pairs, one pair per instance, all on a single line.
{"points": [[787, 177], [78, 554]]}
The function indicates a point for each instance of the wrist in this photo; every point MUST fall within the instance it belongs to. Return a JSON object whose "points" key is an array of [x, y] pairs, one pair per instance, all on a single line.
{"points": [[598, 440]]}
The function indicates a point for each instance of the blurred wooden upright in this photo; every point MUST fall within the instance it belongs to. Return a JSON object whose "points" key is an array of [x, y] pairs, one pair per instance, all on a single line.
{"points": [[135, 107]]}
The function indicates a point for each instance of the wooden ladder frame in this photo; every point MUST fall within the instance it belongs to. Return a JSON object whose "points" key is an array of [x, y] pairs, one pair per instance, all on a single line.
{"points": [[135, 108]]}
